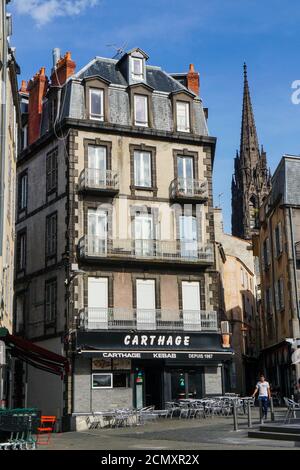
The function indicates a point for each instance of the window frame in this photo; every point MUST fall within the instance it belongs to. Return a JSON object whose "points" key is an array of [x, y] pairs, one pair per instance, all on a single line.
{"points": [[141, 75], [188, 116], [22, 208], [21, 267], [278, 243], [49, 283], [143, 148], [53, 254], [52, 171], [142, 154], [102, 373], [98, 117], [146, 101]]}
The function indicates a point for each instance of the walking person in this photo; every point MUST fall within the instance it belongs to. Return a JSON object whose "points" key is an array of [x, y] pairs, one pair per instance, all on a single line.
{"points": [[264, 394]]}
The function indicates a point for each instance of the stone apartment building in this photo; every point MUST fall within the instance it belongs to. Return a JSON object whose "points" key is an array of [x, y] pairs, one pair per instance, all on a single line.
{"points": [[9, 130], [278, 247], [115, 237], [235, 264]]}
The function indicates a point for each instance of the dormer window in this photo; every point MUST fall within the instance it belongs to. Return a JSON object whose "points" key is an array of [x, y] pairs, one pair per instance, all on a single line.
{"points": [[96, 109], [141, 110], [183, 116], [137, 68]]}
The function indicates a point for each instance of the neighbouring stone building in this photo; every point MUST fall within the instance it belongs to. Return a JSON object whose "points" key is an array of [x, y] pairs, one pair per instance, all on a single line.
{"points": [[278, 247], [235, 264], [251, 181], [115, 240], [9, 131]]}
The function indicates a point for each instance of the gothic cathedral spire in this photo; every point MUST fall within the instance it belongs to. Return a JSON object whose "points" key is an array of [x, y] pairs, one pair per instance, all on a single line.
{"points": [[251, 180]]}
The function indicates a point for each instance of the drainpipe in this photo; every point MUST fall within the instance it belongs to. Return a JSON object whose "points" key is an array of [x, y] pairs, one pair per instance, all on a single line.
{"points": [[3, 118]]}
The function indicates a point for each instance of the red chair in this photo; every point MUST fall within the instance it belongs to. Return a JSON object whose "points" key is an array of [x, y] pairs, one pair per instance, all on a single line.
{"points": [[45, 430]]}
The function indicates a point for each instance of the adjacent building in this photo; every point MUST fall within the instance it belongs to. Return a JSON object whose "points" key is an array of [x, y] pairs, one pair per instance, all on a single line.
{"points": [[115, 236], [278, 246], [9, 130], [235, 264]]}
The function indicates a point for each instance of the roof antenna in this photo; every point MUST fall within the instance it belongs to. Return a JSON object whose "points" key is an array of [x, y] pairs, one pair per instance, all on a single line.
{"points": [[120, 50]]}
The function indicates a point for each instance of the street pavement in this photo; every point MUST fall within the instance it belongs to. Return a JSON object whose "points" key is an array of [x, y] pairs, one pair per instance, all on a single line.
{"points": [[169, 434]]}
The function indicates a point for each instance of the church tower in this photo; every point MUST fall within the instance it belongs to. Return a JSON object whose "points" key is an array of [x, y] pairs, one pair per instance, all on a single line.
{"points": [[252, 179]]}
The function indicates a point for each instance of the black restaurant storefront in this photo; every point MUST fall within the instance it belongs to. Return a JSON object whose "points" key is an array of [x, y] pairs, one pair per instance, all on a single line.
{"points": [[135, 369]]}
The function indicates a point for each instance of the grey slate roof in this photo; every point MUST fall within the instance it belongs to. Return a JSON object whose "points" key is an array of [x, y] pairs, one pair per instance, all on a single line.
{"points": [[106, 69], [109, 70]]}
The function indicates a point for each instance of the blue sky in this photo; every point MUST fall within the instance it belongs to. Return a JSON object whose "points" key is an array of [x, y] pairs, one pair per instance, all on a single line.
{"points": [[216, 35]]}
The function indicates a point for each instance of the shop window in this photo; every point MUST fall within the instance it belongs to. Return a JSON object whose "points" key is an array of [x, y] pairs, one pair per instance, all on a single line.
{"points": [[121, 380], [102, 381]]}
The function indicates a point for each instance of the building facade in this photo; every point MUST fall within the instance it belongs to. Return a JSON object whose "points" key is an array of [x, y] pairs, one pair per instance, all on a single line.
{"points": [[278, 248], [235, 264], [9, 130], [116, 264], [251, 180]]}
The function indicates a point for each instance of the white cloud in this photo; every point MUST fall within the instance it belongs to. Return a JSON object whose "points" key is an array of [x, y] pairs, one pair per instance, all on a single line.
{"points": [[44, 11]]}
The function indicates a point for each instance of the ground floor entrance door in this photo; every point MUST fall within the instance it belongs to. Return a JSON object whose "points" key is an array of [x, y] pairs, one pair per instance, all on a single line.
{"points": [[148, 384], [187, 383]]}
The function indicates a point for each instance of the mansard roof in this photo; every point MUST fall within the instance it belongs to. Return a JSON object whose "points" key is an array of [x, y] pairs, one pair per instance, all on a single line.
{"points": [[109, 69]]}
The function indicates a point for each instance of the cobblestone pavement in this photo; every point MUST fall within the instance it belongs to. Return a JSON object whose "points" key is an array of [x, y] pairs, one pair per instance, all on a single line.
{"points": [[165, 434]]}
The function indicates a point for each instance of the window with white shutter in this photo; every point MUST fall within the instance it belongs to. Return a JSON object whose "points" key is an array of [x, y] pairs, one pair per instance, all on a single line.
{"points": [[96, 104], [141, 110], [142, 169], [183, 116]]}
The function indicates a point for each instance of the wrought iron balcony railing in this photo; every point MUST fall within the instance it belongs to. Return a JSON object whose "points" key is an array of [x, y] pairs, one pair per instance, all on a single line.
{"points": [[189, 188], [99, 180], [145, 319], [155, 250]]}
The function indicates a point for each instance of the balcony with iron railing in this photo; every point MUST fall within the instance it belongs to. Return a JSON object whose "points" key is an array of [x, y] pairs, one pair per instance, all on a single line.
{"points": [[95, 180], [189, 189], [172, 251], [145, 319]]}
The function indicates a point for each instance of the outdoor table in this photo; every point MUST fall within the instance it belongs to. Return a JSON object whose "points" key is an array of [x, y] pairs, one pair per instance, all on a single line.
{"points": [[109, 415]]}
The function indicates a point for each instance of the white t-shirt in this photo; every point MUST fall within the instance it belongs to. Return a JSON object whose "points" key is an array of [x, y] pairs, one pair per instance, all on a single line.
{"points": [[263, 388]]}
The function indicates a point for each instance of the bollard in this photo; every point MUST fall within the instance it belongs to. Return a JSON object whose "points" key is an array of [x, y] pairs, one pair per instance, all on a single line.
{"points": [[249, 414], [260, 412], [235, 422], [272, 409]]}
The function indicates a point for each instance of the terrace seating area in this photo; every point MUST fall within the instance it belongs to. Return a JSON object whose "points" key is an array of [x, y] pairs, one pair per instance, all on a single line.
{"points": [[180, 409]]}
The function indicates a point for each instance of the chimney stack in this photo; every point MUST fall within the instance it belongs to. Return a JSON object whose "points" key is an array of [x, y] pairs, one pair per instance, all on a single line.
{"points": [[62, 70], [37, 88], [23, 88], [193, 82]]}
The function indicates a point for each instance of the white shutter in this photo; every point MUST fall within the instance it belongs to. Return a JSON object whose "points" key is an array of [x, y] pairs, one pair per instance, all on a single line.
{"points": [[97, 317], [145, 304], [182, 116], [191, 305], [141, 110]]}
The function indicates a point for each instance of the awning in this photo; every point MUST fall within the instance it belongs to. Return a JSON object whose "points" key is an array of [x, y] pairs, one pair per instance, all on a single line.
{"points": [[169, 345], [34, 355]]}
